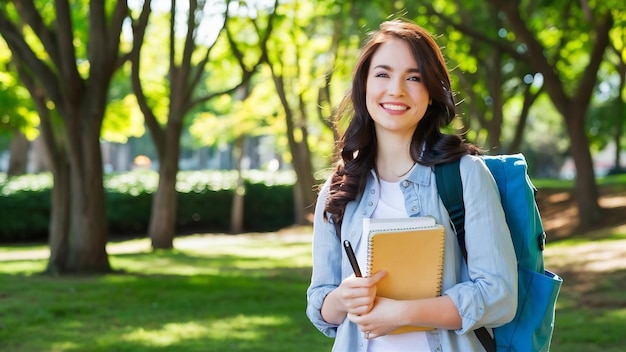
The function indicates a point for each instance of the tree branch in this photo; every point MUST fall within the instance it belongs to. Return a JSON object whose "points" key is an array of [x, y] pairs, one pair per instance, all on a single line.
{"points": [[70, 78], [535, 52], [28, 12], [602, 41], [31, 63], [120, 13], [139, 32], [246, 73]]}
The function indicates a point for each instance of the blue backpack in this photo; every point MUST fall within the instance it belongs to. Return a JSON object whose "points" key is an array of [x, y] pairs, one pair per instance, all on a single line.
{"points": [[532, 327]]}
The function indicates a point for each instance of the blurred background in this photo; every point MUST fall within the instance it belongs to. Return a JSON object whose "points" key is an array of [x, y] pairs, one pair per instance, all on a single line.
{"points": [[160, 117]]}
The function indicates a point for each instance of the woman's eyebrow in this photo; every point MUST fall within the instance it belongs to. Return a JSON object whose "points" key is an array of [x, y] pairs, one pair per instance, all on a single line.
{"points": [[389, 68]]}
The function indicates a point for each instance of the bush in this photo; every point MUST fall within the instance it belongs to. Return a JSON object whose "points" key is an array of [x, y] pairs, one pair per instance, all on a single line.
{"points": [[204, 202]]}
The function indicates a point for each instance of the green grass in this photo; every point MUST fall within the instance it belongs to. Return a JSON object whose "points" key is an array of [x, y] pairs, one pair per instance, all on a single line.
{"points": [[588, 330], [618, 181], [237, 296], [591, 310], [237, 293]]}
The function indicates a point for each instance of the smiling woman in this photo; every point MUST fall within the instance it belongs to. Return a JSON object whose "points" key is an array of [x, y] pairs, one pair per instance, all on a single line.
{"points": [[397, 100], [395, 93], [400, 100]]}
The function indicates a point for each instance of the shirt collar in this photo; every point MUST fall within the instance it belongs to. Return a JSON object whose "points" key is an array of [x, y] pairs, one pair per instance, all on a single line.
{"points": [[420, 175]]}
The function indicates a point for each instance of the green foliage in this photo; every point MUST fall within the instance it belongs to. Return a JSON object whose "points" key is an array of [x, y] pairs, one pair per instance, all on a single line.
{"points": [[17, 106], [25, 215], [204, 202]]}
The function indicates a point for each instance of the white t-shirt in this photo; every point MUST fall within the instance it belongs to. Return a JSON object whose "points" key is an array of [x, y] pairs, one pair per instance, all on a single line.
{"points": [[391, 205]]}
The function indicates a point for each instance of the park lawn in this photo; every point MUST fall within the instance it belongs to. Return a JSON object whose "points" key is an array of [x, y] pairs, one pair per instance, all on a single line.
{"points": [[224, 293], [213, 295], [591, 310]]}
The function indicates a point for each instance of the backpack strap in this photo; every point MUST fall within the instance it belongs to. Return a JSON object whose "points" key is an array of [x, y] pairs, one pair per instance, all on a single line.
{"points": [[450, 188], [448, 177]]}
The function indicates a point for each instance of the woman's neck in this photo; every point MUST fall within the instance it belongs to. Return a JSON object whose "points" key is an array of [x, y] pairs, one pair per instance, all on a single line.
{"points": [[393, 160]]}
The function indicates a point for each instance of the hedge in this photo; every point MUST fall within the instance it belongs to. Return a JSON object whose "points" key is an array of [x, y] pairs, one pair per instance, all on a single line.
{"points": [[204, 203]]}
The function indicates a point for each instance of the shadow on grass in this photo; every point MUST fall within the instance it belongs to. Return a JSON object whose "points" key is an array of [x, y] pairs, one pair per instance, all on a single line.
{"points": [[591, 311], [164, 301]]}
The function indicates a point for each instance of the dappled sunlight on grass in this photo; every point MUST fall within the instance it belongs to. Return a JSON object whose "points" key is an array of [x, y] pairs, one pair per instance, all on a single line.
{"points": [[64, 346], [247, 293], [206, 257], [169, 334], [245, 327], [23, 267]]}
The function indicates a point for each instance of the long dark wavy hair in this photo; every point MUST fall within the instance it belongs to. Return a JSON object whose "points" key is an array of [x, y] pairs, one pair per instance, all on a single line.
{"points": [[358, 145]]}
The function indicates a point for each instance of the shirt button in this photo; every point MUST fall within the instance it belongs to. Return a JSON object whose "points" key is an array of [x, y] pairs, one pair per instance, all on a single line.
{"points": [[405, 183], [370, 203], [373, 191], [414, 208]]}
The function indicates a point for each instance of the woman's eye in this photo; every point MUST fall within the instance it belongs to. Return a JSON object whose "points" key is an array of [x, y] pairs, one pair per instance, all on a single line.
{"points": [[381, 74], [415, 78]]}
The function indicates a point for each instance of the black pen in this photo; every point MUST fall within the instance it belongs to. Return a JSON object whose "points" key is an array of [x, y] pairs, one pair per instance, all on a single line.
{"points": [[352, 258]]}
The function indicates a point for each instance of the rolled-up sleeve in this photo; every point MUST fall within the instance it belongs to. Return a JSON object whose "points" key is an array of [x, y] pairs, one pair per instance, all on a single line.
{"points": [[489, 297], [326, 273]]}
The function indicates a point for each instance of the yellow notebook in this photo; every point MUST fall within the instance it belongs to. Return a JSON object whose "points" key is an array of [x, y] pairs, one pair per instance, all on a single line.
{"points": [[411, 251]]}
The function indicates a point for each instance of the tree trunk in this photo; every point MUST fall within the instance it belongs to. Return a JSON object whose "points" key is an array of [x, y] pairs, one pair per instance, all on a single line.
{"points": [[297, 138], [55, 150], [162, 228], [18, 154], [60, 210], [59, 219], [39, 157], [237, 207], [80, 102], [586, 190], [88, 227], [529, 100]]}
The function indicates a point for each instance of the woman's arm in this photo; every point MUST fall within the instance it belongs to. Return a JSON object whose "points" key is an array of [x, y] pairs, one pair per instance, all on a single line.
{"points": [[488, 296], [388, 314]]}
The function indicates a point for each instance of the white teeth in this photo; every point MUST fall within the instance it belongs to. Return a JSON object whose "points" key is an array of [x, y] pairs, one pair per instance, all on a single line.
{"points": [[394, 107]]}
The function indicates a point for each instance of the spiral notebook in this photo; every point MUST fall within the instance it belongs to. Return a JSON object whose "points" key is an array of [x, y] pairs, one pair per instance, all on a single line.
{"points": [[411, 251]]}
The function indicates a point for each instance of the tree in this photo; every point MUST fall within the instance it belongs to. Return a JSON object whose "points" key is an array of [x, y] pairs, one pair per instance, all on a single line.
{"points": [[68, 81], [570, 85], [186, 61], [311, 51], [564, 43], [234, 120]]}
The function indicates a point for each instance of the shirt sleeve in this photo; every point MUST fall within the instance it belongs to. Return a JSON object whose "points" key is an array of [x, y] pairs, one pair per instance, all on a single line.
{"points": [[326, 273], [489, 296]]}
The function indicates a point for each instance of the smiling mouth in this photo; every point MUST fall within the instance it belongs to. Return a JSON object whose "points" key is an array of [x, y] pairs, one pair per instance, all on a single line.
{"points": [[395, 107]]}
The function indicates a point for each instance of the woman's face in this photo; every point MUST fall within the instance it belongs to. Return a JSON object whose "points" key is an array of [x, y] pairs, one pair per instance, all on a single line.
{"points": [[396, 98]]}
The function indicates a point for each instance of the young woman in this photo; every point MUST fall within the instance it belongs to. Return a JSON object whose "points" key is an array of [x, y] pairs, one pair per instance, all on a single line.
{"points": [[399, 101]]}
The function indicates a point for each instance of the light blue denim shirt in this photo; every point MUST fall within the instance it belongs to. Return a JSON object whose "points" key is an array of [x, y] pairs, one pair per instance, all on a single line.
{"points": [[485, 291]]}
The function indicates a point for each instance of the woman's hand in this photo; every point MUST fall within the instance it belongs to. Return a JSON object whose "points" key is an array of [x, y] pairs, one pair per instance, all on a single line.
{"points": [[382, 319], [357, 294]]}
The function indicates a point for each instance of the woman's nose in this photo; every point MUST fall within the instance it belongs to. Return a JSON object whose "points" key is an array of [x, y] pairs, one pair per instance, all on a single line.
{"points": [[396, 87]]}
